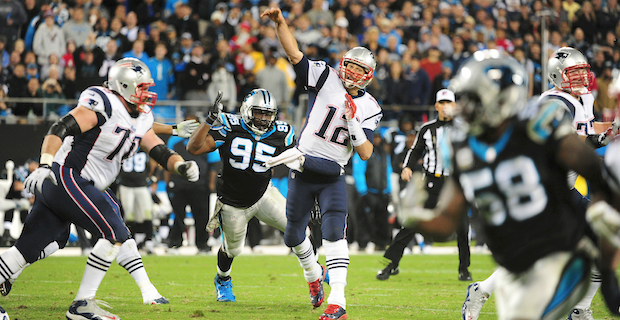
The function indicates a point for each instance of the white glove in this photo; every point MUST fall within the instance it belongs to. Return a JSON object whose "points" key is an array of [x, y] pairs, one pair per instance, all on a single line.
{"points": [[411, 207], [185, 128], [188, 169], [292, 158], [36, 178], [605, 221]]}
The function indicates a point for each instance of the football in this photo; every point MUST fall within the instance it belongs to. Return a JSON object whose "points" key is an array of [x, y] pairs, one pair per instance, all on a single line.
{"points": [[3, 314]]}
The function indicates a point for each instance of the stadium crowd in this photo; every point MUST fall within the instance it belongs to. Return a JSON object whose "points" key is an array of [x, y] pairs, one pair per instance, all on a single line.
{"points": [[55, 49]]}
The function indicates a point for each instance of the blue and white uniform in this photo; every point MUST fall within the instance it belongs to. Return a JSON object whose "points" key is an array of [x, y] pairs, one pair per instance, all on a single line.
{"points": [[582, 110], [84, 166]]}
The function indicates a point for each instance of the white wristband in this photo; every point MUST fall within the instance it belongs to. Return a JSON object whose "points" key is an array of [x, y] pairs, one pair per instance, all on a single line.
{"points": [[46, 158], [356, 133]]}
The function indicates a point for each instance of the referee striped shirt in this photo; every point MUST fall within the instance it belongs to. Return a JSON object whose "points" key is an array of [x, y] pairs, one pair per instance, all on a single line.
{"points": [[427, 144]]}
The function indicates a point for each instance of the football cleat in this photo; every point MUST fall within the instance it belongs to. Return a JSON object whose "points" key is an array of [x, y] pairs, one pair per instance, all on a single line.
{"points": [[473, 302], [89, 309], [580, 314], [224, 290], [465, 275], [6, 287], [160, 300], [316, 289], [334, 311], [386, 272]]}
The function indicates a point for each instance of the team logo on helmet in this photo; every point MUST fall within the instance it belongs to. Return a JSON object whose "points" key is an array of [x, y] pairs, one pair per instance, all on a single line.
{"points": [[561, 56]]}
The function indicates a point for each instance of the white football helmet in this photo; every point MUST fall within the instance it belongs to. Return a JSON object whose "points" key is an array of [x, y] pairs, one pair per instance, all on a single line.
{"points": [[560, 67], [490, 88], [365, 59], [131, 79], [258, 110]]}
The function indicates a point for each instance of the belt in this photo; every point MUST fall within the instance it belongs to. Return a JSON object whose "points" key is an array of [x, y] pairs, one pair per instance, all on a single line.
{"points": [[437, 175]]}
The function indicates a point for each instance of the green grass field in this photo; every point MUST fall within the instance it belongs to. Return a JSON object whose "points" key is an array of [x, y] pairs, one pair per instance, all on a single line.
{"points": [[267, 287]]}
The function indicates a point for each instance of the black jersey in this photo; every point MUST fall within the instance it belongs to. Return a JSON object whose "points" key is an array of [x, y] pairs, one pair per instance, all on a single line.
{"points": [[134, 170], [520, 189], [244, 178]]}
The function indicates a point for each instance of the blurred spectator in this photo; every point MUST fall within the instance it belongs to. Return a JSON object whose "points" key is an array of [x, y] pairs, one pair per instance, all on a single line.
{"points": [[600, 63], [386, 29], [163, 74], [34, 23], [219, 29], [585, 19], [32, 71], [49, 39], [131, 28], [109, 59], [77, 28], [5, 57], [137, 52], [378, 87], [115, 34], [54, 62], [87, 64], [459, 55], [305, 34], [535, 56], [243, 37], [442, 81], [52, 89], [505, 43], [68, 83], [580, 42], [395, 86], [420, 84], [372, 181], [604, 105], [555, 41], [224, 81], [32, 91], [12, 18], [571, 7], [196, 78], [371, 40], [3, 106], [99, 7], [67, 59], [246, 84], [54, 72], [319, 16], [432, 63], [559, 14], [274, 80], [250, 59], [17, 82], [102, 29], [183, 21], [519, 55], [120, 12], [355, 18], [152, 40], [270, 40], [148, 12]]}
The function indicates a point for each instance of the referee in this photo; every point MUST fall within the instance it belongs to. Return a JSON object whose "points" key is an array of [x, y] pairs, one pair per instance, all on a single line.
{"points": [[426, 147]]}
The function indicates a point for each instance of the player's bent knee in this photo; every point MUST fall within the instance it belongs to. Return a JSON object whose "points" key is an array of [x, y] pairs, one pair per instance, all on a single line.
{"points": [[294, 235], [127, 252], [233, 252], [105, 249], [333, 226]]}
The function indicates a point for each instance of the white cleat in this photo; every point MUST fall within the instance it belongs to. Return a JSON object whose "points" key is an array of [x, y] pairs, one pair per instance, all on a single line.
{"points": [[89, 309], [580, 314], [160, 300], [473, 302]]}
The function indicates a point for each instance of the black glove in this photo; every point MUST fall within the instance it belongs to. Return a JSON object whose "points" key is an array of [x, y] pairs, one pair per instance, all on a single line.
{"points": [[213, 112]]}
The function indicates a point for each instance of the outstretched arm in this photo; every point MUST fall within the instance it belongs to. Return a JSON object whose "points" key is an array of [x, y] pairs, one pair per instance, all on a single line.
{"points": [[287, 40], [169, 159]]}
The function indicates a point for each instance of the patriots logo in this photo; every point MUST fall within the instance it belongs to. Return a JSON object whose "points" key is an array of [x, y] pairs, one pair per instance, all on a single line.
{"points": [[561, 56], [139, 70], [92, 102]]}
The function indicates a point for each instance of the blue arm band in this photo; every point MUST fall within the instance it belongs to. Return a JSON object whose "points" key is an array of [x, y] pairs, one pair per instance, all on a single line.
{"points": [[322, 166]]}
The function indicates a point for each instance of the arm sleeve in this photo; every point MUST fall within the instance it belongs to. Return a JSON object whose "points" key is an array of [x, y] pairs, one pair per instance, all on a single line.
{"points": [[414, 154], [389, 173], [359, 174]]}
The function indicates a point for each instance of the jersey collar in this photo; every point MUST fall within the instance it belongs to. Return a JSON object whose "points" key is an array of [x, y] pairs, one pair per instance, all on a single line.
{"points": [[489, 153]]}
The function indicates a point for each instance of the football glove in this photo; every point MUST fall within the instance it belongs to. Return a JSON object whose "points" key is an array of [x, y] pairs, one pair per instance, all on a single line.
{"points": [[185, 128], [292, 158], [411, 207], [36, 178], [350, 107], [189, 170], [605, 221], [213, 112]]}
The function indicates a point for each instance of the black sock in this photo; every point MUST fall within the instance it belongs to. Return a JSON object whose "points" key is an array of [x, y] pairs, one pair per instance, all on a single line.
{"points": [[224, 263], [148, 229]]}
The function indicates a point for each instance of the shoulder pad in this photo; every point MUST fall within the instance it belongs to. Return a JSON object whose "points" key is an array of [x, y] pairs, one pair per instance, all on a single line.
{"points": [[96, 99], [287, 130], [548, 117]]}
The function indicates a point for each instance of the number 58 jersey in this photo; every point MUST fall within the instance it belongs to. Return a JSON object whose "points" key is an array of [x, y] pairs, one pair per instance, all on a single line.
{"points": [[519, 187], [244, 178], [97, 154]]}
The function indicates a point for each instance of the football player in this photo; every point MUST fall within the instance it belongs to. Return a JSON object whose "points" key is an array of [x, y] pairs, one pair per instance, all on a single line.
{"points": [[341, 118], [80, 157], [245, 143], [512, 164], [570, 74]]}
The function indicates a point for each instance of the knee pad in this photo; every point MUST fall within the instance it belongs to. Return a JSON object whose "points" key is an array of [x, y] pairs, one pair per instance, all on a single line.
{"points": [[104, 249], [294, 234], [234, 252], [333, 226]]}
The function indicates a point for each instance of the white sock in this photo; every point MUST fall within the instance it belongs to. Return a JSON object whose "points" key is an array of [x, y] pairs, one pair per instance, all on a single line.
{"points": [[130, 259], [163, 232], [47, 251], [337, 262], [488, 285], [223, 274], [11, 261], [595, 283], [8, 225], [305, 256], [98, 263]]}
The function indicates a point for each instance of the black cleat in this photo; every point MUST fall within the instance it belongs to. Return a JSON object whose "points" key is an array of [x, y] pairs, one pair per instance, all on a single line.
{"points": [[386, 272], [465, 275]]}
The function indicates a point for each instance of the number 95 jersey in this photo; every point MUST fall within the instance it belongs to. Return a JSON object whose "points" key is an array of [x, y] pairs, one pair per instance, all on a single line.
{"points": [[244, 178], [519, 188]]}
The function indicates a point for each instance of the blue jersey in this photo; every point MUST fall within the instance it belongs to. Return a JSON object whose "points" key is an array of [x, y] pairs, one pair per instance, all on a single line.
{"points": [[244, 178], [520, 189]]}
